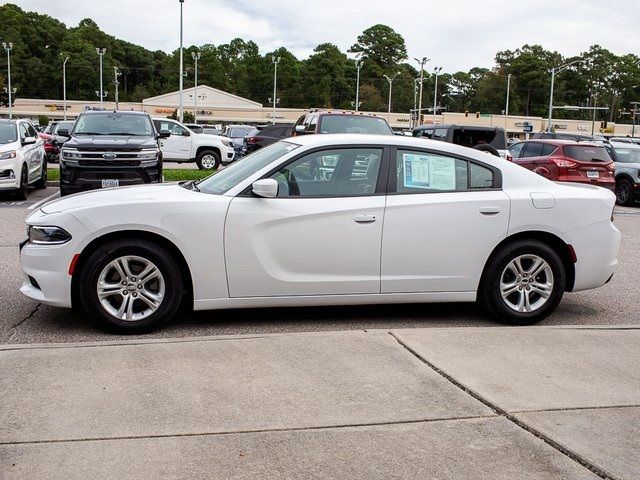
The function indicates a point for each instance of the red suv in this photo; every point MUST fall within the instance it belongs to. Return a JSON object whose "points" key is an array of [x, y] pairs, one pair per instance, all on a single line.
{"points": [[566, 161]]}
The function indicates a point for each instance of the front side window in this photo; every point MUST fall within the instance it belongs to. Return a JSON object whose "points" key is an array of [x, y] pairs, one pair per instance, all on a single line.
{"points": [[24, 133], [516, 149], [532, 149], [338, 172]]}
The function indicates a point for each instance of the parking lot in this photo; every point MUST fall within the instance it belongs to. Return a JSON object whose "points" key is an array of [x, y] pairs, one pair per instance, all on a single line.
{"points": [[25, 321]]}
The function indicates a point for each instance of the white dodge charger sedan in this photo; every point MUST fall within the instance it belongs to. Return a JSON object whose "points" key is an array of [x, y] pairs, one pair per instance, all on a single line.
{"points": [[326, 220]]}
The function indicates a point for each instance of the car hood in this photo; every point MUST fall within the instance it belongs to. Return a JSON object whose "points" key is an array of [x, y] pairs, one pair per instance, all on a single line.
{"points": [[111, 141], [136, 194]]}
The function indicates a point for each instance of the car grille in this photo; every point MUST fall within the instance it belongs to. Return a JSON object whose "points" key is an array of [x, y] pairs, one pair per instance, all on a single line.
{"points": [[116, 162], [99, 155]]}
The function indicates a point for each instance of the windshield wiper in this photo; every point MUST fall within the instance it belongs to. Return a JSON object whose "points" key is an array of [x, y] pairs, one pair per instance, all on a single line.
{"points": [[190, 185], [127, 133], [89, 133]]}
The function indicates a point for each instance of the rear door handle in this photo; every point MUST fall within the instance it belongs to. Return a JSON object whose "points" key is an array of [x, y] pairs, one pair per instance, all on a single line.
{"points": [[364, 218], [489, 210]]}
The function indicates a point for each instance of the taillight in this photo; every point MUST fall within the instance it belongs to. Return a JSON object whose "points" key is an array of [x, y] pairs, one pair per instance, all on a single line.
{"points": [[508, 158], [563, 163], [611, 166]]}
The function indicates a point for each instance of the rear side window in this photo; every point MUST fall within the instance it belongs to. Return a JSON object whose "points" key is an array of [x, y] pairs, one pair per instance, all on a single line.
{"points": [[548, 149], [586, 153]]}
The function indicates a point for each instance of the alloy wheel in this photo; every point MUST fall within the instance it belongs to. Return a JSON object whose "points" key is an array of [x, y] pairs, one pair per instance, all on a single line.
{"points": [[526, 283]]}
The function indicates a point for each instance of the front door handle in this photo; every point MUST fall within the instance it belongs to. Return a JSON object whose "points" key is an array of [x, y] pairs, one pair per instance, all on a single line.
{"points": [[489, 210], [364, 218]]}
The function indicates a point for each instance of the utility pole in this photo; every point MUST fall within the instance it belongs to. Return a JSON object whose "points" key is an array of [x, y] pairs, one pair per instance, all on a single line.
{"points": [[553, 78], [101, 52], [358, 67], [180, 116], [116, 74], [64, 86], [415, 102], [8, 47], [436, 70], [196, 57], [634, 113], [390, 80], [275, 61], [506, 107], [595, 105], [421, 63]]}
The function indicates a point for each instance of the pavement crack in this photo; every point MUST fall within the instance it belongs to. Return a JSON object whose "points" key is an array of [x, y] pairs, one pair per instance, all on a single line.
{"points": [[15, 326], [509, 416]]}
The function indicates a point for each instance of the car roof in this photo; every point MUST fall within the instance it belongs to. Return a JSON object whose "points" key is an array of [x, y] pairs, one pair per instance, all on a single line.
{"points": [[100, 112], [560, 142]]}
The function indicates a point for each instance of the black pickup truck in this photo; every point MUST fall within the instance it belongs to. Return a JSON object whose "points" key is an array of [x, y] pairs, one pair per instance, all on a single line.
{"points": [[110, 149]]}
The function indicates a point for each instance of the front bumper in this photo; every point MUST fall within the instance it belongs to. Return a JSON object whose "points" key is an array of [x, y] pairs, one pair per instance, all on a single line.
{"points": [[89, 177], [8, 180]]}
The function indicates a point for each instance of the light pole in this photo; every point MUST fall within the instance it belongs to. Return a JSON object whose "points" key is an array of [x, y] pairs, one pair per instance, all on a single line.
{"points": [[421, 63], [275, 61], [101, 52], [593, 120], [436, 70], [506, 107], [415, 101], [8, 47], [553, 78], [116, 74], [358, 67], [390, 80], [64, 86], [196, 57], [180, 116]]}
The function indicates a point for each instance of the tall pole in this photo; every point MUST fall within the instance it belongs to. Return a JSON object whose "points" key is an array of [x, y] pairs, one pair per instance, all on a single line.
{"points": [[390, 80], [593, 121], [415, 101], [275, 61], [421, 63], [8, 47], [436, 70], [181, 117], [196, 57], [635, 111], [64, 86], [506, 107], [358, 67], [116, 74], [101, 52], [553, 78]]}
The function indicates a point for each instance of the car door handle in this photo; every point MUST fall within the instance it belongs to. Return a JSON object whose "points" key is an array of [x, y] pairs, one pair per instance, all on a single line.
{"points": [[364, 218], [489, 210]]}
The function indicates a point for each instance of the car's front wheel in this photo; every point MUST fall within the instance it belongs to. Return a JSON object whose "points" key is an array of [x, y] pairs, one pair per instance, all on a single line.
{"points": [[130, 285], [208, 160], [523, 283], [41, 183], [624, 192]]}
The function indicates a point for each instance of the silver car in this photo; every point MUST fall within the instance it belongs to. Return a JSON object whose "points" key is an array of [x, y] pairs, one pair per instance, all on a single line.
{"points": [[627, 170]]}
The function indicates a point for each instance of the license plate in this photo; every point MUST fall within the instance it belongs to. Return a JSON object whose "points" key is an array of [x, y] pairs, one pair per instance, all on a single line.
{"points": [[593, 175], [110, 182]]}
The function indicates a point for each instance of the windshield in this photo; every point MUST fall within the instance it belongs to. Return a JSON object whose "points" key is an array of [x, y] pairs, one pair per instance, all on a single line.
{"points": [[8, 133], [242, 169], [237, 132], [628, 155], [586, 153], [67, 125], [114, 124], [354, 124]]}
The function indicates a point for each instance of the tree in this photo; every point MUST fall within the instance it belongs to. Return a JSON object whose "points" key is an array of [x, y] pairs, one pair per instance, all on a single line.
{"points": [[382, 45]]}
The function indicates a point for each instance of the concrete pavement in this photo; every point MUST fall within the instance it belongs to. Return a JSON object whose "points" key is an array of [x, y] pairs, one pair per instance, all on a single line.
{"points": [[454, 403]]}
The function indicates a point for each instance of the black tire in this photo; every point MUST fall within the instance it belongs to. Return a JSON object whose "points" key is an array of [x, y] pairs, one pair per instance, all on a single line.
{"points": [[41, 183], [203, 160], [485, 147], [491, 296], [98, 263], [624, 192], [64, 191], [22, 191]]}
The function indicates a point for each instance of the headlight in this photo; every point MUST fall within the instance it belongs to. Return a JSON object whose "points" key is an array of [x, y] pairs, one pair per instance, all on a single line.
{"points": [[150, 154], [8, 155], [39, 235], [227, 143], [70, 153]]}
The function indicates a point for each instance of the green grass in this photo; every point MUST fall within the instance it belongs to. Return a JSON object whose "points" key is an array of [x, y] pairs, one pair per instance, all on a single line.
{"points": [[170, 175]]}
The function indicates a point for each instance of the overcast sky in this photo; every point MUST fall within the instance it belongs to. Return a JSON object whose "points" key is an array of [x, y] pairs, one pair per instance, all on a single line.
{"points": [[455, 34]]}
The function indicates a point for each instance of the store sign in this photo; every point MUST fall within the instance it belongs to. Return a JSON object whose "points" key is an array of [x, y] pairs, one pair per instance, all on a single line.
{"points": [[560, 126], [164, 110], [270, 115], [54, 107], [583, 128], [402, 120]]}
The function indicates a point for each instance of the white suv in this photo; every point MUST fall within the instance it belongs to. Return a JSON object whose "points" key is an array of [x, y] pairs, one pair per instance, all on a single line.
{"points": [[22, 158], [184, 145]]}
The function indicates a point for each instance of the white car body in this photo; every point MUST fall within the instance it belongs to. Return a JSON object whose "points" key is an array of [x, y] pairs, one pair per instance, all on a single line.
{"points": [[14, 156], [248, 251], [185, 148]]}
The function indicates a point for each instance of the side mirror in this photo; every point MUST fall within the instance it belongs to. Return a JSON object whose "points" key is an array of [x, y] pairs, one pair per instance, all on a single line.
{"points": [[63, 132], [164, 134], [29, 140], [299, 129], [267, 188], [185, 133]]}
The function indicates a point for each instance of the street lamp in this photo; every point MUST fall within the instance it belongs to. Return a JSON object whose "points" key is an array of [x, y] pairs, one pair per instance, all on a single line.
{"points": [[275, 61], [196, 57], [421, 63], [415, 101], [116, 74], [553, 77], [390, 80], [358, 67], [64, 86], [8, 47], [436, 70], [181, 117], [506, 107], [635, 111], [101, 52]]}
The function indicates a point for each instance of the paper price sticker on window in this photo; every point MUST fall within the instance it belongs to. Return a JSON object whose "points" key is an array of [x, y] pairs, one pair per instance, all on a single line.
{"points": [[429, 172]]}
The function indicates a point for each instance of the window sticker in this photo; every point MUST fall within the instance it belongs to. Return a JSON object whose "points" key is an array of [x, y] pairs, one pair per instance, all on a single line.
{"points": [[429, 172]]}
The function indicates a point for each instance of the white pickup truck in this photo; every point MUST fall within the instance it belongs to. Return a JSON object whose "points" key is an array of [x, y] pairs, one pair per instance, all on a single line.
{"points": [[183, 145]]}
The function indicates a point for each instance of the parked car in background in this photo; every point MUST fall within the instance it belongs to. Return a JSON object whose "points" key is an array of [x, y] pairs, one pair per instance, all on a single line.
{"points": [[340, 121], [566, 161], [627, 173], [274, 230], [265, 135], [633, 140], [574, 137], [237, 133], [22, 158], [211, 130], [49, 128], [64, 125], [183, 145], [109, 148], [486, 139], [51, 147]]}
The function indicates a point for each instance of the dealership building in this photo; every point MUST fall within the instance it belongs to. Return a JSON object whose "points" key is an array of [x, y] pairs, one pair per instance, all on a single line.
{"points": [[218, 107]]}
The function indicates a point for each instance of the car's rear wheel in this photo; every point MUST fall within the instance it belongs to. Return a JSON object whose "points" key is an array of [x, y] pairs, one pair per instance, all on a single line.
{"points": [[624, 192], [523, 283], [23, 188], [130, 286], [208, 160]]}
